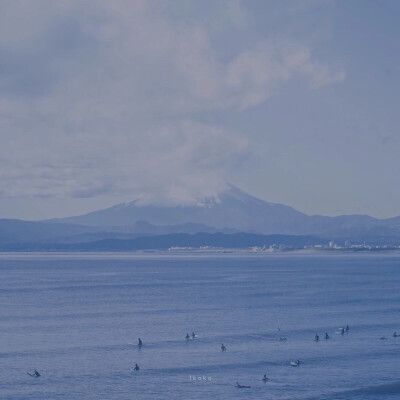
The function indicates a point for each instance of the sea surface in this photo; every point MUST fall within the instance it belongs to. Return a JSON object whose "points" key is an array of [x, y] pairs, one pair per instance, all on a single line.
{"points": [[76, 318]]}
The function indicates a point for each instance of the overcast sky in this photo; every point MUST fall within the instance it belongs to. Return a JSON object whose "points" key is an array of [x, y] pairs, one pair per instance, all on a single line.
{"points": [[296, 102]]}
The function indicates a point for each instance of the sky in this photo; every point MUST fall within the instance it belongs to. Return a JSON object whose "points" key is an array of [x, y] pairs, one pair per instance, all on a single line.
{"points": [[295, 102]]}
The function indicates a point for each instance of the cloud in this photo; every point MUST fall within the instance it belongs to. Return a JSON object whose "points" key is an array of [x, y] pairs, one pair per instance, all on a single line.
{"points": [[256, 74], [110, 97], [149, 165]]}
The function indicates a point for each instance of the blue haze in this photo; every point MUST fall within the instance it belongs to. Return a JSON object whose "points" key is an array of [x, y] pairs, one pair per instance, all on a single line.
{"points": [[76, 318]]}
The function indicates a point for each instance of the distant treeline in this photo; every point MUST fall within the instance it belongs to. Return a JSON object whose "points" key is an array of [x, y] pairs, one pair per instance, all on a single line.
{"points": [[164, 242]]}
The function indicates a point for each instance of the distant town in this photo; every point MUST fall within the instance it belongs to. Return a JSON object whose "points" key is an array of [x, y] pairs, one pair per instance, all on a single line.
{"points": [[279, 248]]}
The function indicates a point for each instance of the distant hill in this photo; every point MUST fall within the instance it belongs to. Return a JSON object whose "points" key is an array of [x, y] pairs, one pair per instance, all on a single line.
{"points": [[236, 210], [231, 212], [188, 227], [19, 231], [15, 230], [164, 242]]}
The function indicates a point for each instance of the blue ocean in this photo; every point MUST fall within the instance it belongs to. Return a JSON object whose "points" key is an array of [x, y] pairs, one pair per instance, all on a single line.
{"points": [[76, 318]]}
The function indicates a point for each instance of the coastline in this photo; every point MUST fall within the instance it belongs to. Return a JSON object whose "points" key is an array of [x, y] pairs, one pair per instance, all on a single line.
{"points": [[217, 252]]}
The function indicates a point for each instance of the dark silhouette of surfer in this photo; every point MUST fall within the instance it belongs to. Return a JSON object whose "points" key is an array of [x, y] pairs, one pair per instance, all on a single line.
{"points": [[35, 374]]}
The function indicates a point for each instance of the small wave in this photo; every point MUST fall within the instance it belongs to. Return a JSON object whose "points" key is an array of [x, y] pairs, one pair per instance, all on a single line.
{"points": [[388, 388], [364, 393], [368, 392]]}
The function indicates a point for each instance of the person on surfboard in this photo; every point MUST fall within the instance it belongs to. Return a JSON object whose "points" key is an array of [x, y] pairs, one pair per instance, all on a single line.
{"points": [[242, 386]]}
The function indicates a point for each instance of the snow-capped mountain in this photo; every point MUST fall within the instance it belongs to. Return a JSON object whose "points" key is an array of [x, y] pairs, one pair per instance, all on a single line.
{"points": [[232, 208], [235, 209]]}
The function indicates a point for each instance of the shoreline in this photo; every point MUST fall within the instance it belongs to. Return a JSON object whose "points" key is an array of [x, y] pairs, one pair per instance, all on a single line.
{"points": [[198, 253]]}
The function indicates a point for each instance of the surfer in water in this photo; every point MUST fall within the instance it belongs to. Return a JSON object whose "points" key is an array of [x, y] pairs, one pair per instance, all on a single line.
{"points": [[395, 334], [193, 335], [242, 386], [223, 348], [347, 328], [342, 331], [187, 336], [35, 374], [264, 379], [136, 368], [316, 338], [140, 344], [295, 363], [326, 335]]}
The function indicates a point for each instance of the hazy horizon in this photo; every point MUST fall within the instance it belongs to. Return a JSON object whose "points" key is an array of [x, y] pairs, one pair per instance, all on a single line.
{"points": [[294, 102]]}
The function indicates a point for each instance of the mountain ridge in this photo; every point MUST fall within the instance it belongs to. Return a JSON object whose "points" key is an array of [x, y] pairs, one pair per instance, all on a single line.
{"points": [[238, 210], [176, 240], [231, 212]]}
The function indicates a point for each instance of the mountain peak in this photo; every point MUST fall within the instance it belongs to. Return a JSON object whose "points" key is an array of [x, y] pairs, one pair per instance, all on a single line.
{"points": [[242, 196], [231, 208]]}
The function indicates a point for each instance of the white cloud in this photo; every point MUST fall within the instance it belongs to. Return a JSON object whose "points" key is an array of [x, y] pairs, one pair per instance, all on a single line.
{"points": [[105, 96], [256, 74]]}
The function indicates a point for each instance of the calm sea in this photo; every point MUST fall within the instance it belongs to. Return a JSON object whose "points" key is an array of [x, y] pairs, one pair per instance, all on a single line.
{"points": [[77, 318]]}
